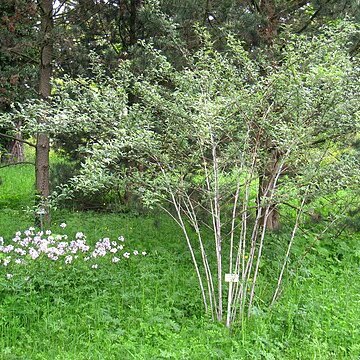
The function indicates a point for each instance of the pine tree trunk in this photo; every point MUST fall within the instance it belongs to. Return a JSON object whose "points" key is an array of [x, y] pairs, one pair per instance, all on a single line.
{"points": [[268, 33], [17, 147], [42, 144], [132, 22]]}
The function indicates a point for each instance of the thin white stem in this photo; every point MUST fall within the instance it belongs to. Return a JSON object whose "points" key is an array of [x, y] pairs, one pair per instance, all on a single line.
{"points": [[286, 259], [239, 297], [271, 188], [230, 291], [182, 225], [193, 218], [217, 224], [240, 259]]}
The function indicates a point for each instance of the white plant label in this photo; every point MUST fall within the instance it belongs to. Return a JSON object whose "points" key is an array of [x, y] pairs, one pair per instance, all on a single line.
{"points": [[232, 278]]}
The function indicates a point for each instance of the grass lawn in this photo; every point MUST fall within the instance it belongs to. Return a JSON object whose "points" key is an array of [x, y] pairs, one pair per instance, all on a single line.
{"points": [[149, 307]]}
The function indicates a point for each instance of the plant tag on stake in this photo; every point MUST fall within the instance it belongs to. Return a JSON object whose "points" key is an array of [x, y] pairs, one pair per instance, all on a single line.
{"points": [[232, 278]]}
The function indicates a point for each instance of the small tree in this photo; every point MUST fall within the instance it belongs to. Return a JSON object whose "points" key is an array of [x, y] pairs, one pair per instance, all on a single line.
{"points": [[205, 138], [198, 140]]}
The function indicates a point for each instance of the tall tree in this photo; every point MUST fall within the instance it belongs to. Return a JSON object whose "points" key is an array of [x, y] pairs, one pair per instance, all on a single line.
{"points": [[42, 140], [18, 74]]}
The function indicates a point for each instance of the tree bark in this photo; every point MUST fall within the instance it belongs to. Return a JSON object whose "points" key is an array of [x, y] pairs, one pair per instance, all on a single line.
{"points": [[269, 30], [17, 148], [42, 143], [268, 33], [128, 22], [132, 22]]}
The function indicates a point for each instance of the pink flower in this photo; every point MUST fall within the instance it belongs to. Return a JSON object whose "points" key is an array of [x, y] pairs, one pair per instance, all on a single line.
{"points": [[7, 249], [6, 261], [16, 238], [68, 259], [53, 257], [33, 253]]}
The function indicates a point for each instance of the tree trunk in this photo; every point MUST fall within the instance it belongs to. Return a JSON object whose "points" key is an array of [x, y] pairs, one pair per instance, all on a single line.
{"points": [[132, 22], [42, 144], [268, 32], [128, 22], [17, 147]]}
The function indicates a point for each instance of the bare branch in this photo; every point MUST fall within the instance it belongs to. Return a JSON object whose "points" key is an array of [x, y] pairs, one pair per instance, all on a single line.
{"points": [[16, 139]]}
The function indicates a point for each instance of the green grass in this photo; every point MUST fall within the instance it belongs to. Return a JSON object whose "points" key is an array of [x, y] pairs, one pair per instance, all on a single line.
{"points": [[150, 307], [17, 186]]}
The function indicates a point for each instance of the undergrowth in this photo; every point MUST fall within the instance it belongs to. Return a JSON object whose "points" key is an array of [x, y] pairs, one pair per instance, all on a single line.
{"points": [[150, 307]]}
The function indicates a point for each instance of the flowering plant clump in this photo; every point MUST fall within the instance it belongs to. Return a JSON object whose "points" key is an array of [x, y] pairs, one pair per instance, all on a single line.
{"points": [[32, 246]]}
